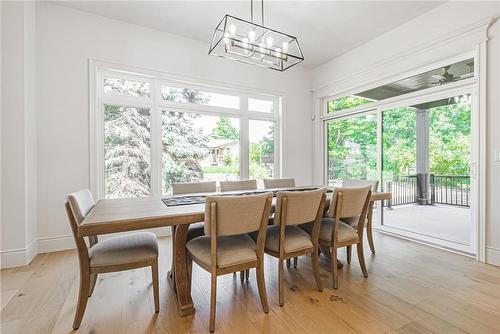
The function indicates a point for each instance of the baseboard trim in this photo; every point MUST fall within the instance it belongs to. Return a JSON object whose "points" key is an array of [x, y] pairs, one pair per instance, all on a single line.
{"points": [[23, 256], [493, 256]]}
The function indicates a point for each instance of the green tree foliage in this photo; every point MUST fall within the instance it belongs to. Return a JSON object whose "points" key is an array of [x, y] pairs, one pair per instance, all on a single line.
{"points": [[127, 151], [352, 147], [184, 146], [225, 130], [346, 102]]}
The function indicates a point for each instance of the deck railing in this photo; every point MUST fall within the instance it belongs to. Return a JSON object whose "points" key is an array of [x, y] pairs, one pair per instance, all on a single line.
{"points": [[444, 189]]}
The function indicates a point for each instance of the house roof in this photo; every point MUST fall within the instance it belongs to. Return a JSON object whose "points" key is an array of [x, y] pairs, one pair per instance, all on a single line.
{"points": [[214, 143]]}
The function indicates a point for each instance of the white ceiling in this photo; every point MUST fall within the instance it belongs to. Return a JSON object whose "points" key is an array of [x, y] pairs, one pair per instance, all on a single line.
{"points": [[325, 29]]}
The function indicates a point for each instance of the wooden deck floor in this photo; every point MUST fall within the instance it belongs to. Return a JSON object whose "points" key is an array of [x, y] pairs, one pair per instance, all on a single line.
{"points": [[411, 288]]}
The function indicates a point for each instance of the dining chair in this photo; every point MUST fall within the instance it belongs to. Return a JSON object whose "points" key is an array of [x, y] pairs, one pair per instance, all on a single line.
{"points": [[226, 248], [334, 233], [194, 187], [353, 221], [195, 229], [238, 185], [285, 240], [235, 186], [279, 183], [119, 253]]}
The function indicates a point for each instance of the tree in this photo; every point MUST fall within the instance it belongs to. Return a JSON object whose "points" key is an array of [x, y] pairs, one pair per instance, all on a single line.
{"points": [[184, 146], [225, 130], [127, 151]]}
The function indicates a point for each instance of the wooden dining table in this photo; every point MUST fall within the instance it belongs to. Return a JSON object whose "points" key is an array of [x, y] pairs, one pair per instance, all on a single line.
{"points": [[129, 214]]}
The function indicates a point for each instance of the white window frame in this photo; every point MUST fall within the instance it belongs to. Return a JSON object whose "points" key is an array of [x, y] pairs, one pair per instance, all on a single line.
{"points": [[98, 70]]}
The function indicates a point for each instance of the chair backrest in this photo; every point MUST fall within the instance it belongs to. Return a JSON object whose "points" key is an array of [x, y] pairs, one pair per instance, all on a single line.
{"points": [[81, 202], [355, 183], [352, 203], [238, 185], [300, 207], [78, 205], [279, 183], [236, 214], [194, 187]]}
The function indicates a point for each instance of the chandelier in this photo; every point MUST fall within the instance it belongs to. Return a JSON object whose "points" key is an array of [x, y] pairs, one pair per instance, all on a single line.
{"points": [[252, 43]]}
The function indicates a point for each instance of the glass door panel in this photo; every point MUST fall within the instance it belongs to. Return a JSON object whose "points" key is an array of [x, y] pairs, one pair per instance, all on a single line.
{"points": [[426, 154], [352, 149]]}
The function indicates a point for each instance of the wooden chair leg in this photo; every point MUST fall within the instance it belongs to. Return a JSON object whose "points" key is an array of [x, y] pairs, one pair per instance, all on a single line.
{"points": [[242, 275], [82, 299], [156, 288], [288, 263], [361, 258], [213, 302], [315, 268], [349, 253], [261, 283], [93, 281], [369, 235], [334, 268], [295, 261], [281, 282], [247, 274], [189, 262]]}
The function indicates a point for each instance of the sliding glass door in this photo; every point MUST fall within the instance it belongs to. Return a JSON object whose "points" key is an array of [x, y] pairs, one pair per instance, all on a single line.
{"points": [[426, 157]]}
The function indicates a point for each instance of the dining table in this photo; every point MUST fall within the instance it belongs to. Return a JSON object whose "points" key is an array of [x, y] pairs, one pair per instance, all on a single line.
{"points": [[179, 211]]}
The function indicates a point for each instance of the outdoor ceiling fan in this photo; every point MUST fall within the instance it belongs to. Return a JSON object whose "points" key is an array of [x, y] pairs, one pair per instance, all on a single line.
{"points": [[446, 76]]}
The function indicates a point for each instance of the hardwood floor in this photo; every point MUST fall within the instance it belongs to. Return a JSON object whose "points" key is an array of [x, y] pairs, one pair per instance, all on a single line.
{"points": [[410, 288]]}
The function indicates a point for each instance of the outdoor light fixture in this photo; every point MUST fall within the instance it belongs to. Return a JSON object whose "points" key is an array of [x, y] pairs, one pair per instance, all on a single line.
{"points": [[251, 43]]}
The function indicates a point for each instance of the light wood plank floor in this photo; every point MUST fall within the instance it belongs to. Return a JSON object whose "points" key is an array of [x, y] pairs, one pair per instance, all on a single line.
{"points": [[411, 288]]}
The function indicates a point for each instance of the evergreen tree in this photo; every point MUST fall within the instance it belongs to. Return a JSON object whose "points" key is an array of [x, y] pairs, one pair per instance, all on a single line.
{"points": [[127, 151]]}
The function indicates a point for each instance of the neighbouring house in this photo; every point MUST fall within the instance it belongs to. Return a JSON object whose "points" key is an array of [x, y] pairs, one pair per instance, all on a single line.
{"points": [[220, 148]]}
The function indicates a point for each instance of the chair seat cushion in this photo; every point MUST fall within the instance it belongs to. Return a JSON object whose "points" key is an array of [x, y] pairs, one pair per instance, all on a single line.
{"points": [[195, 230], [295, 239], [231, 250], [353, 221], [124, 249], [346, 233]]}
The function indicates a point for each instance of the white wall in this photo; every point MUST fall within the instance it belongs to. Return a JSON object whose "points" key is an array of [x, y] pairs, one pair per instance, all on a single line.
{"points": [[397, 52], [18, 150], [67, 38]]}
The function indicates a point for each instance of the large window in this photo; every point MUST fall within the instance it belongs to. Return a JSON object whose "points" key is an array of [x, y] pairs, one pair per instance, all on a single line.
{"points": [[151, 132]]}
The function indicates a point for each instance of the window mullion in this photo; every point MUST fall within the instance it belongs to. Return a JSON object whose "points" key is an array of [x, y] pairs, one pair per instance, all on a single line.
{"points": [[244, 141], [156, 143]]}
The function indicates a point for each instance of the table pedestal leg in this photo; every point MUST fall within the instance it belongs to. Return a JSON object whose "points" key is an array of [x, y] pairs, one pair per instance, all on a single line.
{"points": [[326, 252], [179, 278]]}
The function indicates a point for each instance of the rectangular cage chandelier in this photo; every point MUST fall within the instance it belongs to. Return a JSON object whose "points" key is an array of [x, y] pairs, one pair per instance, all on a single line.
{"points": [[252, 43]]}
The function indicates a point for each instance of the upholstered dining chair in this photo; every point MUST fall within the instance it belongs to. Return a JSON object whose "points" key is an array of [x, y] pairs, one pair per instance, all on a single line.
{"points": [[353, 221], [186, 188], [238, 185], [235, 186], [334, 233], [279, 183], [196, 229], [115, 254], [285, 240], [226, 248]]}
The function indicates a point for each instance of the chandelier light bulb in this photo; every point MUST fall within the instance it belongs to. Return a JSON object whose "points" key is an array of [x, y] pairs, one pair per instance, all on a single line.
{"points": [[284, 46], [269, 42], [226, 38], [251, 36], [245, 42], [232, 30]]}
